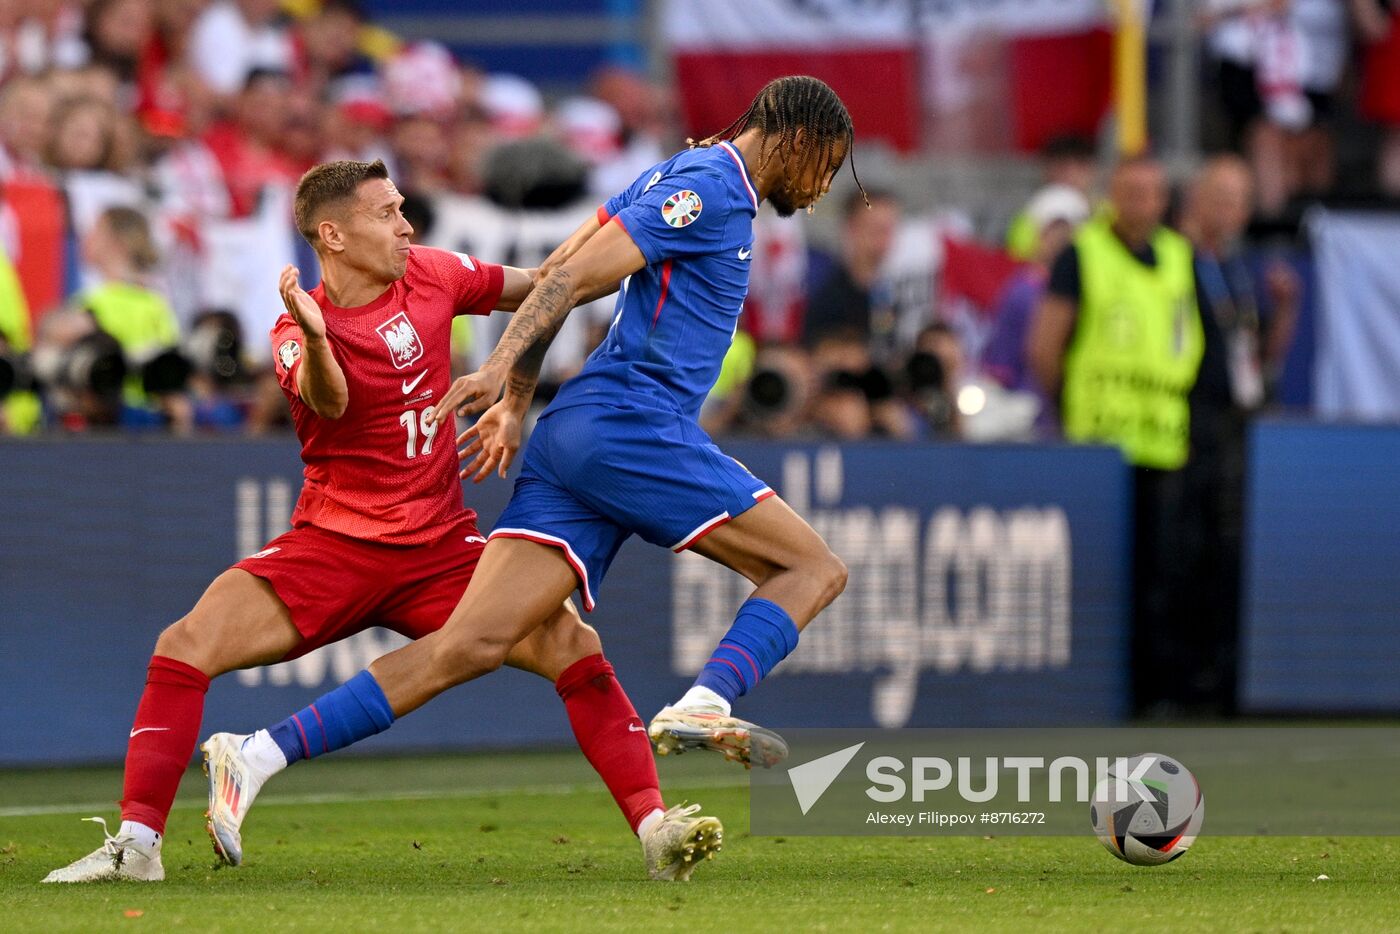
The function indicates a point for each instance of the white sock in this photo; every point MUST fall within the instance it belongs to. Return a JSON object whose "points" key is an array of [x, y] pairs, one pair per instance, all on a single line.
{"points": [[144, 835], [699, 696], [648, 822], [262, 753]]}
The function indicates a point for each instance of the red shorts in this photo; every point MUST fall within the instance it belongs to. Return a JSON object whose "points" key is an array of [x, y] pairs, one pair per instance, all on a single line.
{"points": [[336, 586]]}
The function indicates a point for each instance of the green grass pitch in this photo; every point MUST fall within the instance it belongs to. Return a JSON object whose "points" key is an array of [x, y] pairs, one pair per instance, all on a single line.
{"points": [[532, 842]]}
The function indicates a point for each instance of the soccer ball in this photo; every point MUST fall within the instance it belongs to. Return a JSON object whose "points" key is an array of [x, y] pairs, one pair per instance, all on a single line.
{"points": [[1147, 814]]}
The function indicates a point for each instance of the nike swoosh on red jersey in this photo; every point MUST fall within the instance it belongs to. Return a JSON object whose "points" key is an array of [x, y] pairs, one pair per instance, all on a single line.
{"points": [[149, 729], [409, 387]]}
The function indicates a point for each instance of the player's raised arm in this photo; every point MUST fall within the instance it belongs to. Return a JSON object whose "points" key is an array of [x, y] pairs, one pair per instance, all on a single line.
{"points": [[608, 257], [320, 381]]}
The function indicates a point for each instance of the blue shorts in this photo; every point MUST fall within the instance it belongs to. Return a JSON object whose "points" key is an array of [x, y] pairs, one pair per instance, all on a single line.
{"points": [[594, 475]]}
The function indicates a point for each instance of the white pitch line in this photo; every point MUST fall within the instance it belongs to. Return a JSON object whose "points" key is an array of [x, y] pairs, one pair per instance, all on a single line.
{"points": [[41, 810]]}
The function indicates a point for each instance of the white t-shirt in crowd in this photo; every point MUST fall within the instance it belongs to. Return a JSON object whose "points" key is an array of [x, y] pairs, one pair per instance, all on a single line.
{"points": [[225, 48]]}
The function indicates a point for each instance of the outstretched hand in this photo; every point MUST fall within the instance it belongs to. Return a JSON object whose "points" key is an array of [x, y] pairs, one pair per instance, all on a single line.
{"points": [[471, 393], [491, 443], [300, 305]]}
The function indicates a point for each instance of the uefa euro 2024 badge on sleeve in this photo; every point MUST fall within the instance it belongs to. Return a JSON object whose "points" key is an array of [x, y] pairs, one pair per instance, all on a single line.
{"points": [[681, 209]]}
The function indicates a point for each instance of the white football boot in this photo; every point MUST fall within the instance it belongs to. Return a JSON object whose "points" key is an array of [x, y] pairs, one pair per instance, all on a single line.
{"points": [[680, 841], [119, 857], [676, 729], [233, 784]]}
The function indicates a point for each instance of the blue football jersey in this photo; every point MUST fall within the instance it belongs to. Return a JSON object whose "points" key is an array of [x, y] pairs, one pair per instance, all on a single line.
{"points": [[692, 218]]}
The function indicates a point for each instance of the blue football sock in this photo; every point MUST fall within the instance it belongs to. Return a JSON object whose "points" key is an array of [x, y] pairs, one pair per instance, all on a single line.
{"points": [[762, 635], [355, 710]]}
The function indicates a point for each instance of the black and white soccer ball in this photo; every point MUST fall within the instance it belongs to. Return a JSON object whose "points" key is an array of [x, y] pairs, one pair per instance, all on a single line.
{"points": [[1147, 815]]}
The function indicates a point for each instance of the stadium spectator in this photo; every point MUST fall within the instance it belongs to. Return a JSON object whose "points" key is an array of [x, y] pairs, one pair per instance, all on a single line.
{"points": [[175, 20], [232, 39], [1247, 334], [118, 33], [1244, 348], [38, 37], [513, 105], [1117, 338], [1280, 65], [1054, 214], [97, 82], [249, 148], [1067, 161], [1378, 22], [421, 154], [851, 299], [644, 111], [92, 161], [357, 122], [26, 125], [423, 78], [303, 140], [122, 249], [326, 46], [841, 410], [186, 172], [166, 81], [1324, 28], [84, 136], [217, 392], [591, 129], [470, 142]]}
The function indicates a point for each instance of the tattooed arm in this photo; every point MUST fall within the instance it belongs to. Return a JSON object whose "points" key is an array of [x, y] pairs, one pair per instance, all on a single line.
{"points": [[593, 271], [525, 375], [491, 442], [520, 384]]}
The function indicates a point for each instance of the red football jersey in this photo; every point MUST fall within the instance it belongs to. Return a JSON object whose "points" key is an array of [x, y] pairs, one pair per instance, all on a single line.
{"points": [[379, 472]]}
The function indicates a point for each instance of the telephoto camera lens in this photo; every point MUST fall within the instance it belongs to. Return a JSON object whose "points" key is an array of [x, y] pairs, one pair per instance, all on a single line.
{"points": [[95, 363]]}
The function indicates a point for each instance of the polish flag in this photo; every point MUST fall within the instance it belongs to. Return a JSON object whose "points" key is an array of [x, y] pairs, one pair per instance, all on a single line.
{"points": [[955, 75], [1014, 74], [726, 50]]}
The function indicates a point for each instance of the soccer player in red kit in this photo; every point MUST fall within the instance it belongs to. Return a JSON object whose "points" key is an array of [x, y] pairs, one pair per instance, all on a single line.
{"points": [[379, 538]]}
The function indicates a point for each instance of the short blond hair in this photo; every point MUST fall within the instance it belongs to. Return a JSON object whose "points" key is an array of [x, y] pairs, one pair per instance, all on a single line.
{"points": [[130, 228]]}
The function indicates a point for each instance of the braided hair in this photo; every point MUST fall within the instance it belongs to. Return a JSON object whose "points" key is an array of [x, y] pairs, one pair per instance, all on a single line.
{"points": [[784, 105]]}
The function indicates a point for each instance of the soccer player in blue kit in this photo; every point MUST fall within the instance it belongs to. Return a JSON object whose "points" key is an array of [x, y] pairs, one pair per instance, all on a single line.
{"points": [[620, 452]]}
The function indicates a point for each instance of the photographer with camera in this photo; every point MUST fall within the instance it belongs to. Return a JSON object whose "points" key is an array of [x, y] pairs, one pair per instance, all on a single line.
{"points": [[78, 369], [109, 359], [219, 396], [122, 250]]}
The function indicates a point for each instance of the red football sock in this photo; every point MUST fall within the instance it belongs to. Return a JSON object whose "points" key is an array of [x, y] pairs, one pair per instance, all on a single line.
{"points": [[162, 740], [611, 736]]}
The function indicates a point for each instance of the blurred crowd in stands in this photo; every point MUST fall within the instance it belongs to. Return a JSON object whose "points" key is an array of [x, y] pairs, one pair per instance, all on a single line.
{"points": [[147, 148]]}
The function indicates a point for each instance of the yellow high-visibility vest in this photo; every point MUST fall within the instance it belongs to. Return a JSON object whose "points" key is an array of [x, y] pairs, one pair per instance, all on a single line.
{"points": [[1136, 348]]}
